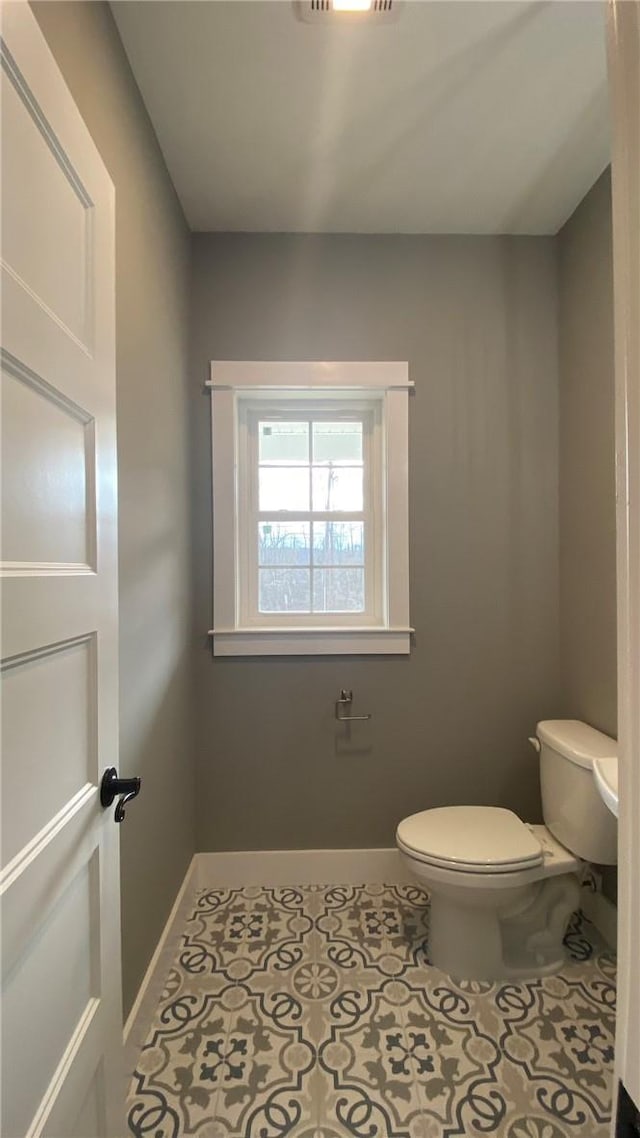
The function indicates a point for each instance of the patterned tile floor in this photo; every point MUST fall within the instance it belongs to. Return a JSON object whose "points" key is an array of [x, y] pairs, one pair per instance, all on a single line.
{"points": [[313, 1012]]}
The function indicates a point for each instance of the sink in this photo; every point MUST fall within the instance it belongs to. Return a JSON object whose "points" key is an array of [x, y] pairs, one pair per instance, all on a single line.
{"points": [[605, 772]]}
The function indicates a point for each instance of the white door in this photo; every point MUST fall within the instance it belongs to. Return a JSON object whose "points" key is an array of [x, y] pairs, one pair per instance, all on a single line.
{"points": [[61, 1003], [624, 88]]}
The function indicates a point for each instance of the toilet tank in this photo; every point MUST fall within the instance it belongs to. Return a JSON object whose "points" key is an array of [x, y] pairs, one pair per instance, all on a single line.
{"points": [[571, 805]]}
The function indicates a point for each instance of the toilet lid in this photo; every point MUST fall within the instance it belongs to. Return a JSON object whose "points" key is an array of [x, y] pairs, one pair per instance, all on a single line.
{"points": [[478, 839]]}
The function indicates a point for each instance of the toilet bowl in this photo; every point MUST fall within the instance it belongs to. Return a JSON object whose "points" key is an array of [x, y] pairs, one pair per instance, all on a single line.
{"points": [[502, 891]]}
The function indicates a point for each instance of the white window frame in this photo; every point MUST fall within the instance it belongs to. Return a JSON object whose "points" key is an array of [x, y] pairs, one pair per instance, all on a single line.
{"points": [[368, 412], [240, 391]]}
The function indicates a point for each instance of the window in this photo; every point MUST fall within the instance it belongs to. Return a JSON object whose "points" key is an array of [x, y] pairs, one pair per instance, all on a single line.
{"points": [[308, 540], [310, 508]]}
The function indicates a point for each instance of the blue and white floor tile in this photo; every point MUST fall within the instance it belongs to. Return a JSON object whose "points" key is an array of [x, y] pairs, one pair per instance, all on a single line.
{"points": [[314, 1013]]}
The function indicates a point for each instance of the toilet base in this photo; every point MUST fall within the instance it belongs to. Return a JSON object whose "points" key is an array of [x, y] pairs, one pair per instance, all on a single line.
{"points": [[510, 933]]}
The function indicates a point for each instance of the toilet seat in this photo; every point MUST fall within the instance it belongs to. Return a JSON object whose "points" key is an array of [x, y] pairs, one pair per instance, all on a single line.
{"points": [[474, 839]]}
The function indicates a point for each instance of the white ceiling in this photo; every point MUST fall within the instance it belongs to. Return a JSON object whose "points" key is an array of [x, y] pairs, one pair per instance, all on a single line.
{"points": [[460, 117]]}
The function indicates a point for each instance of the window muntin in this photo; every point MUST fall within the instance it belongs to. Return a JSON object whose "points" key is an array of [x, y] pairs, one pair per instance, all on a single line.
{"points": [[310, 513]]}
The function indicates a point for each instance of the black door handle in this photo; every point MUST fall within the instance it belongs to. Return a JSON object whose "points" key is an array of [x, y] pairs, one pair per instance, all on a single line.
{"points": [[112, 786]]}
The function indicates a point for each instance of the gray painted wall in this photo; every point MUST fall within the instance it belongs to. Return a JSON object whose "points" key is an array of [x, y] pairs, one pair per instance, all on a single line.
{"points": [[152, 276], [476, 318], [587, 463]]}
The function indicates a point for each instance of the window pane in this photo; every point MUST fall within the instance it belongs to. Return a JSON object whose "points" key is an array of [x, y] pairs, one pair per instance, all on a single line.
{"points": [[338, 590], [338, 543], [283, 543], [339, 443], [284, 488], [284, 442], [337, 488], [284, 590]]}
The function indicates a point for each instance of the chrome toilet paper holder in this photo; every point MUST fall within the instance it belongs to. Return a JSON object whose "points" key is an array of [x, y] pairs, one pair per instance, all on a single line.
{"points": [[345, 700]]}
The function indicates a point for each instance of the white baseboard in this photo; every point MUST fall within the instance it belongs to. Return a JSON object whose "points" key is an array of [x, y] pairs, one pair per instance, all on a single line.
{"points": [[139, 1018], [280, 868], [602, 913]]}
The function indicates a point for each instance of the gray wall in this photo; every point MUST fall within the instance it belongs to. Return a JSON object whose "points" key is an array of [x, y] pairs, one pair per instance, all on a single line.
{"points": [[476, 319], [152, 276], [587, 463]]}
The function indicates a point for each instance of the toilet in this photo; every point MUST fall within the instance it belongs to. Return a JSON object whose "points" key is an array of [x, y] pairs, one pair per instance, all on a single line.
{"points": [[502, 891]]}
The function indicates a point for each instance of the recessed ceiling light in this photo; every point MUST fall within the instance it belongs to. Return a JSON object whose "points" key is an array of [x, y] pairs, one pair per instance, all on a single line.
{"points": [[351, 5], [322, 11]]}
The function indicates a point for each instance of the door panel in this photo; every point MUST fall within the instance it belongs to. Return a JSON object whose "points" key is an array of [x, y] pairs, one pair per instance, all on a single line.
{"points": [[53, 973], [43, 185], [58, 684], [46, 449], [61, 1022]]}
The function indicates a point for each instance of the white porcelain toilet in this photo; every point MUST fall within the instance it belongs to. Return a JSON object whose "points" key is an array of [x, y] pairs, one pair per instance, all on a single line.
{"points": [[502, 891]]}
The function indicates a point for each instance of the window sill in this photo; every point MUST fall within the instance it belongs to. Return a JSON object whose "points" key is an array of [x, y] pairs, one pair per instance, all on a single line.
{"points": [[311, 641]]}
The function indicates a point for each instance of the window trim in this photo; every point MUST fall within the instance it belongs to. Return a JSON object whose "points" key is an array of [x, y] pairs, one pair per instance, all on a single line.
{"points": [[235, 384]]}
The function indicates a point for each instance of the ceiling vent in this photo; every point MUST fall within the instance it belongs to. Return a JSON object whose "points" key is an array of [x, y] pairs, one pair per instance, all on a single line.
{"points": [[357, 11]]}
